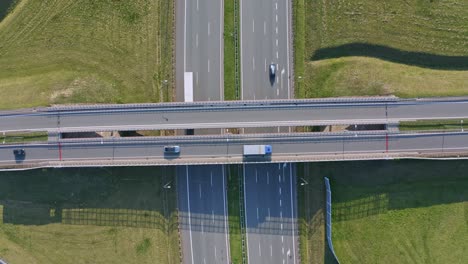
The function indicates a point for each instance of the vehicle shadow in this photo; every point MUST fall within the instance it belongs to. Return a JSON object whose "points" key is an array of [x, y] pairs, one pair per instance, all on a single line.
{"points": [[420, 59]]}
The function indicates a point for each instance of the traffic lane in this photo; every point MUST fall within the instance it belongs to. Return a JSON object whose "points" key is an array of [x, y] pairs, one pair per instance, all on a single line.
{"points": [[216, 148], [180, 49], [270, 218], [204, 48], [205, 218], [418, 110]]}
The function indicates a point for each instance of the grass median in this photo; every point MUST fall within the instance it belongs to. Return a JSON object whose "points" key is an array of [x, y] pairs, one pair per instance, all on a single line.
{"points": [[406, 48], [23, 137], [420, 125], [83, 51], [91, 215], [230, 29], [235, 233]]}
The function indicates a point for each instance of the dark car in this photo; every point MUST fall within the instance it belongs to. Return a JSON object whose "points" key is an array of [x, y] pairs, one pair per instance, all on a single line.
{"points": [[272, 70], [19, 152], [171, 150]]}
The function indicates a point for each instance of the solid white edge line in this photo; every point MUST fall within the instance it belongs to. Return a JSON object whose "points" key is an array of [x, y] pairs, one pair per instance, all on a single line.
{"points": [[245, 215], [292, 212], [225, 215], [190, 221], [287, 48], [185, 35], [221, 52], [241, 54]]}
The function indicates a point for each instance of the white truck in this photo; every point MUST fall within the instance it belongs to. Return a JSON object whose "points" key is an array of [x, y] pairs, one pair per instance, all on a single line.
{"points": [[257, 150]]}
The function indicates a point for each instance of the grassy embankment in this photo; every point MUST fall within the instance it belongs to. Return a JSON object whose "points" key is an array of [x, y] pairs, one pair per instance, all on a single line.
{"points": [[399, 211], [89, 216], [235, 236], [230, 51], [84, 51], [408, 48]]}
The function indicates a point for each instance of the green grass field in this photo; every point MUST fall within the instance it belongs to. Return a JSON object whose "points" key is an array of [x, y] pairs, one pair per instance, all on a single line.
{"points": [[408, 48], [86, 51], [23, 137], [399, 211], [115, 215], [452, 125]]}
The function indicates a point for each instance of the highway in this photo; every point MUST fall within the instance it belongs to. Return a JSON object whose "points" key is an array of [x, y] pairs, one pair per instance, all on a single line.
{"points": [[203, 214], [271, 212], [231, 115], [264, 41], [199, 27], [223, 149]]}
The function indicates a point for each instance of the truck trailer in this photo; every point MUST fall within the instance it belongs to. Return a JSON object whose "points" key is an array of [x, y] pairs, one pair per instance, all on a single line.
{"points": [[257, 150]]}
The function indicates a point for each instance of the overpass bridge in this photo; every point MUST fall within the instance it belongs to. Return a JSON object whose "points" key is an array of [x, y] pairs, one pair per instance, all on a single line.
{"points": [[233, 114], [227, 148]]}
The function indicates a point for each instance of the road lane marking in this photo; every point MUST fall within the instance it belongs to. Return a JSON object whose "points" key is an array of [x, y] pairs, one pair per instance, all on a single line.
{"points": [[281, 229], [279, 177], [199, 188], [197, 5], [196, 40], [292, 213], [225, 214], [258, 216], [280, 202], [276, 42], [276, 30], [271, 250], [204, 261], [280, 190], [189, 217], [253, 63], [212, 216], [215, 252], [211, 179], [277, 54], [253, 25], [256, 176], [209, 28], [245, 206], [287, 54], [276, 18], [259, 250], [268, 178], [276, 5], [208, 65]]}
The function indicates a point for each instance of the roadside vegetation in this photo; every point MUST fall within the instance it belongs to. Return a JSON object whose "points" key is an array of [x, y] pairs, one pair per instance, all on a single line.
{"points": [[230, 49], [114, 215], [235, 233], [399, 211], [408, 48], [452, 125], [23, 137], [86, 51]]}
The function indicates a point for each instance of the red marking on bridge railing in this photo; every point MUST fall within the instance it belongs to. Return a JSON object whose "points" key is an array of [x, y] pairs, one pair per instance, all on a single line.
{"points": [[386, 142]]}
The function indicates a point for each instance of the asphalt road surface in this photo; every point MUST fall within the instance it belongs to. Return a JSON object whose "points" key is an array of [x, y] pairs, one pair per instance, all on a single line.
{"points": [[199, 48], [264, 41], [225, 115], [219, 149], [203, 214], [271, 212]]}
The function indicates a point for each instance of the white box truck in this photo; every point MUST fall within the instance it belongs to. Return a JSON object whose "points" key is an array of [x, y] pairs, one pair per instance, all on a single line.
{"points": [[257, 150]]}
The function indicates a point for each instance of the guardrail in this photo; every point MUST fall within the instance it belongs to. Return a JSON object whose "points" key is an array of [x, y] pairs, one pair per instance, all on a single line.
{"points": [[328, 218]]}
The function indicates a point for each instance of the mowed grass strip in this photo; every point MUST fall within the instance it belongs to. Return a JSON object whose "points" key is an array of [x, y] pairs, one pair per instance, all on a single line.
{"points": [[452, 125], [230, 50], [399, 211], [86, 51], [23, 137], [106, 215], [235, 233], [406, 48]]}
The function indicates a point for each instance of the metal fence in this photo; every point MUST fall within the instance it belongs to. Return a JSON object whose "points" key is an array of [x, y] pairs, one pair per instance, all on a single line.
{"points": [[328, 219]]}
